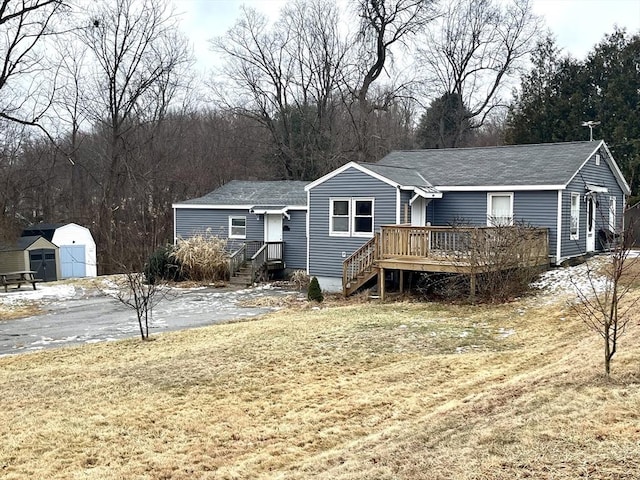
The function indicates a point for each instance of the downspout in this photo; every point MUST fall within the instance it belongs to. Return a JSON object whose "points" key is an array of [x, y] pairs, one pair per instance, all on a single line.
{"points": [[307, 222], [559, 229]]}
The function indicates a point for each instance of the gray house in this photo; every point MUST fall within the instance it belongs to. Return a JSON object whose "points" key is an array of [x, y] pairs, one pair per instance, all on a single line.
{"points": [[250, 212], [574, 192]]}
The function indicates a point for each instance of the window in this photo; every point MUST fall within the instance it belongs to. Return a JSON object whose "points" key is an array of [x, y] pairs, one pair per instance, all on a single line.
{"points": [[351, 217], [237, 227], [574, 231], [340, 214], [363, 217], [597, 159], [612, 214], [499, 209]]}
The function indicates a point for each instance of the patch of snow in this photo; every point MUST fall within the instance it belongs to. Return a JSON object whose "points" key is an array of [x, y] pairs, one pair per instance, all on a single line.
{"points": [[58, 292], [571, 280]]}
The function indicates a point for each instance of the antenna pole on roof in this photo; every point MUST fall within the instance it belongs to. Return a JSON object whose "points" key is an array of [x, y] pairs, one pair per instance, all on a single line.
{"points": [[590, 124]]}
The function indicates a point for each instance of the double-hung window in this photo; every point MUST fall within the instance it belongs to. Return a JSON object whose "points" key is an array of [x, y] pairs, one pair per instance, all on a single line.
{"points": [[499, 209], [351, 217], [574, 230], [238, 227], [340, 217]]}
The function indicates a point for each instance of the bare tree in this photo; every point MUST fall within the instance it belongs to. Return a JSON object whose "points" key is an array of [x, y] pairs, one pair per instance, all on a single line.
{"points": [[471, 52], [603, 293], [25, 94], [285, 77], [136, 57], [384, 24], [135, 292]]}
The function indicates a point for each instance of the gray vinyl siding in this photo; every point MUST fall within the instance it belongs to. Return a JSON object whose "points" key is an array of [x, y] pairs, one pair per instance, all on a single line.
{"points": [[597, 175], [458, 208], [295, 239], [538, 208], [327, 253], [201, 221]]}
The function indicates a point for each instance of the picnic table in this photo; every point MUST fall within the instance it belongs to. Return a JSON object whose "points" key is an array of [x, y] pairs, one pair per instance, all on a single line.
{"points": [[18, 278]]}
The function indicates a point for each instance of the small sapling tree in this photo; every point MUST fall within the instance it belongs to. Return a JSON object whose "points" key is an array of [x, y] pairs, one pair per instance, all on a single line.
{"points": [[603, 300]]}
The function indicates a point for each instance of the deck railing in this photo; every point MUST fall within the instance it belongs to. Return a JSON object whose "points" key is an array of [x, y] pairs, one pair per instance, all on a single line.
{"points": [[478, 244], [259, 253], [359, 261]]}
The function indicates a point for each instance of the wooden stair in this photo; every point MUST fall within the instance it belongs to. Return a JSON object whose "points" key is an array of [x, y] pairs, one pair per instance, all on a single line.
{"points": [[360, 267], [242, 277]]}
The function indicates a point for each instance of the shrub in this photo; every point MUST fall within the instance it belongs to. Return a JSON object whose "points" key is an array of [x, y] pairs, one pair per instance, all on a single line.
{"points": [[315, 293], [203, 258], [300, 279], [162, 266]]}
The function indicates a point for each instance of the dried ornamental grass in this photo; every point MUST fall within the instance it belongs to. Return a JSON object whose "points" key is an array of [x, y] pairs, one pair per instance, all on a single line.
{"points": [[203, 258]]}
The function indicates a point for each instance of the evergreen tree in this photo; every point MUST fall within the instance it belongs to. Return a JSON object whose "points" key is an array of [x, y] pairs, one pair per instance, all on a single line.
{"points": [[445, 124], [560, 93]]}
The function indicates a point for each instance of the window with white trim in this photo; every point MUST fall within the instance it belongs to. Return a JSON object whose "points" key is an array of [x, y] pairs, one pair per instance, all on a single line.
{"points": [[574, 229], [597, 159], [362, 217], [612, 214], [340, 214], [238, 227], [499, 209], [351, 217]]}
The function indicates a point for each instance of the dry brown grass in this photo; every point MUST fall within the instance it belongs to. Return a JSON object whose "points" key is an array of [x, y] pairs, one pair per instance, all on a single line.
{"points": [[11, 312], [395, 391]]}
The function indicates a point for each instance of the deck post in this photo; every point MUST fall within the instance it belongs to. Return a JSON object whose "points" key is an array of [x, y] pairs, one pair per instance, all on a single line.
{"points": [[401, 280], [472, 289], [381, 283]]}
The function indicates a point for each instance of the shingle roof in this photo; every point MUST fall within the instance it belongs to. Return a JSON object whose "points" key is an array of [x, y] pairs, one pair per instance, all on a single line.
{"points": [[26, 242], [241, 192], [539, 164], [399, 174]]}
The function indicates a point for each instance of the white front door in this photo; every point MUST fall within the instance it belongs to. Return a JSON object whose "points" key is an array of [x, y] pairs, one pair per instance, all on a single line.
{"points": [[273, 233], [419, 212], [591, 224]]}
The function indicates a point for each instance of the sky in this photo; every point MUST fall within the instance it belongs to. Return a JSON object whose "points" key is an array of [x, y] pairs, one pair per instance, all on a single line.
{"points": [[577, 24]]}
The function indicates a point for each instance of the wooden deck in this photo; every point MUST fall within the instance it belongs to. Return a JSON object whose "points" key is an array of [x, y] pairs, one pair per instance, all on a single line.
{"points": [[464, 250]]}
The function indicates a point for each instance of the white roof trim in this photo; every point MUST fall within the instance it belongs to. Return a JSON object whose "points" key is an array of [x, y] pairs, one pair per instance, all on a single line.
{"points": [[347, 166], [624, 186], [616, 170], [228, 207], [270, 211], [497, 188], [419, 192]]}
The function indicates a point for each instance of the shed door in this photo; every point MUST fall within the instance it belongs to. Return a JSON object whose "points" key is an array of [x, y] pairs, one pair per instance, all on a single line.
{"points": [[43, 262], [72, 261]]}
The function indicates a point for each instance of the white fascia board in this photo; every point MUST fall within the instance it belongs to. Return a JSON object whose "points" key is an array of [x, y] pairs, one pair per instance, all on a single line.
{"points": [[616, 170], [499, 188], [426, 195], [612, 165], [346, 166], [227, 207]]}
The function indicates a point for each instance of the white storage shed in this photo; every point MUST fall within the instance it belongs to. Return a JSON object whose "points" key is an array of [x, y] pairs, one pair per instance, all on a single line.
{"points": [[77, 249]]}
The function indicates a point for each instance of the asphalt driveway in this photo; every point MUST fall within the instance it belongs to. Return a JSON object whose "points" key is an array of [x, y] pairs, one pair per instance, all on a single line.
{"points": [[75, 317]]}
